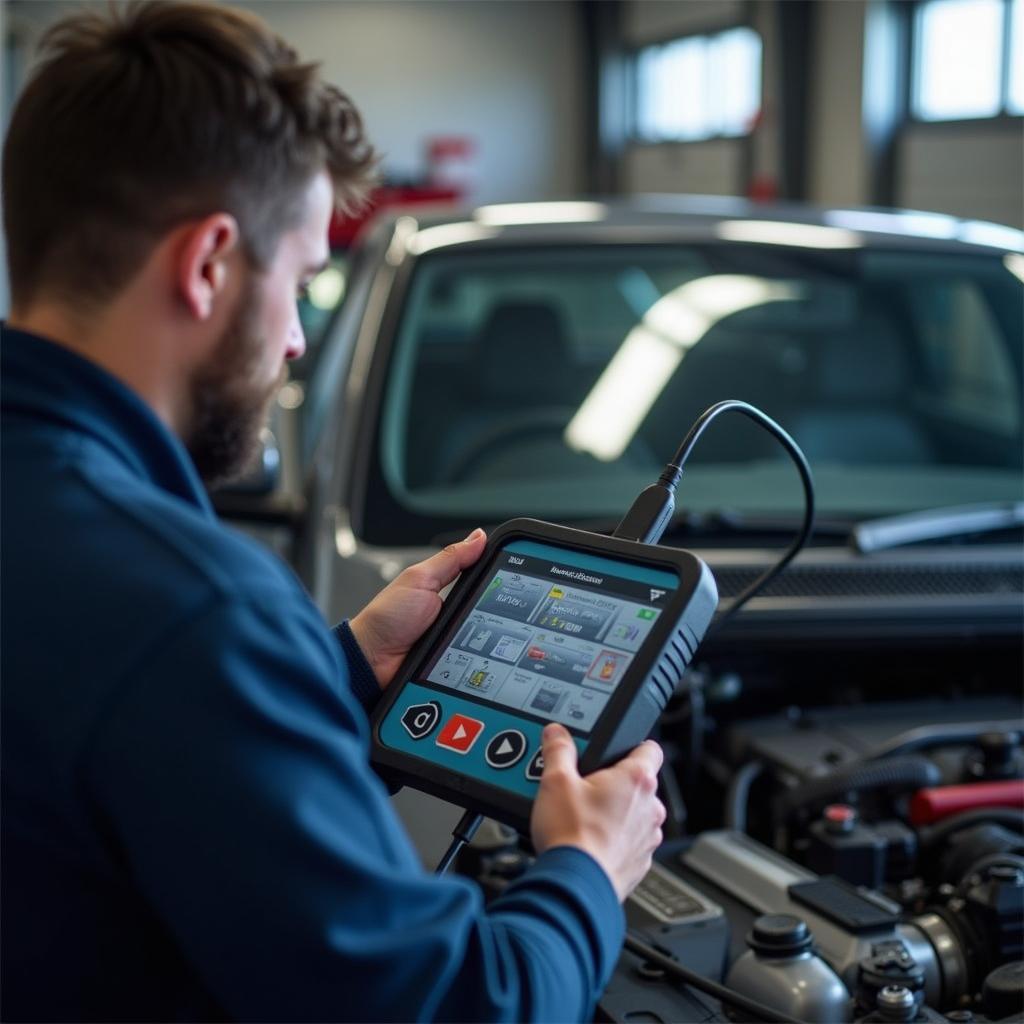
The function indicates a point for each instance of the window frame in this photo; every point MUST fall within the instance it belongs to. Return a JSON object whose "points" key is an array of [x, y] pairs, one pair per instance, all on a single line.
{"points": [[1003, 118], [633, 134]]}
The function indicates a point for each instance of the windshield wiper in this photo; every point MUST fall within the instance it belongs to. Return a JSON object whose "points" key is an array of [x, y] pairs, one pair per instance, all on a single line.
{"points": [[935, 524]]}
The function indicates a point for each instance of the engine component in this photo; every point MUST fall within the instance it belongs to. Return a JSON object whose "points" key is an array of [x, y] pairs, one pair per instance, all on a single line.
{"points": [[493, 858], [972, 846], [900, 849], [897, 775], [780, 970], [890, 964], [977, 930], [846, 923], [950, 954], [839, 845], [1002, 995], [896, 1003], [931, 805], [680, 921], [994, 910], [997, 757]]}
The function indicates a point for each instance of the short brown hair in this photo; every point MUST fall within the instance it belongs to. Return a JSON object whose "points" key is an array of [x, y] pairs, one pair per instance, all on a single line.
{"points": [[142, 117]]}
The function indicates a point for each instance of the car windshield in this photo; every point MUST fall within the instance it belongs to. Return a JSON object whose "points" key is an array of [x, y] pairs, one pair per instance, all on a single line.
{"points": [[557, 382]]}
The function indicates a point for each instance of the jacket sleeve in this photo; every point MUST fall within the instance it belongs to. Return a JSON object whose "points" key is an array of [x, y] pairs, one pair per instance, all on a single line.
{"points": [[231, 773], [361, 679]]}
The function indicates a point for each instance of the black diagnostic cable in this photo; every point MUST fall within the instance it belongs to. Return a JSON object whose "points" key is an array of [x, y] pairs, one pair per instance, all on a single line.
{"points": [[646, 521], [652, 511], [461, 834], [756, 1011]]}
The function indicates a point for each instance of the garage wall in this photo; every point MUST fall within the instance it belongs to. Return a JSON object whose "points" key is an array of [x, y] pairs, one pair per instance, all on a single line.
{"points": [[968, 170], [507, 74], [837, 155], [715, 167]]}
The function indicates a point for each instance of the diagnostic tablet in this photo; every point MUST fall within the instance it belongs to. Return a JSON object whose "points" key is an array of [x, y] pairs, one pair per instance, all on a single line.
{"points": [[551, 625]]}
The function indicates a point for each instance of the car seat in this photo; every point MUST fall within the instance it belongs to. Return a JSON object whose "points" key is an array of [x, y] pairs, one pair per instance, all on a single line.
{"points": [[735, 359], [860, 410], [519, 378]]}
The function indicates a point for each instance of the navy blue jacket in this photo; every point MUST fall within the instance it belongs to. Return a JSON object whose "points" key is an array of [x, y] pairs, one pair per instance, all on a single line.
{"points": [[190, 826]]}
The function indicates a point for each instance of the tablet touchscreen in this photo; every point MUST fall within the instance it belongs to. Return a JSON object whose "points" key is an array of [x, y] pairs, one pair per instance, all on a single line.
{"points": [[551, 632]]}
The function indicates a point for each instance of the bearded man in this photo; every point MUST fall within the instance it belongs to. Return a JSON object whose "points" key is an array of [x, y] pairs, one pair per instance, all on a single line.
{"points": [[190, 825]]}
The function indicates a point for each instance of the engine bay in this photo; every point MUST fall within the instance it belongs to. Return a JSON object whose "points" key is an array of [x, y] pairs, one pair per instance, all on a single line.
{"points": [[857, 860]]}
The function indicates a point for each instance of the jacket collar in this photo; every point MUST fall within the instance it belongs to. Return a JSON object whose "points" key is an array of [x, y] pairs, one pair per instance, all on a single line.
{"points": [[47, 382]]}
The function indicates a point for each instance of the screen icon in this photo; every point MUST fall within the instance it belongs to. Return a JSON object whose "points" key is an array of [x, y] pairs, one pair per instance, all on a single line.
{"points": [[419, 720], [655, 594], [460, 733], [607, 666], [535, 768]]}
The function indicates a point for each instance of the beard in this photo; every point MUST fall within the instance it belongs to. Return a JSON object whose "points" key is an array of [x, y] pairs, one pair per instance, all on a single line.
{"points": [[230, 401]]}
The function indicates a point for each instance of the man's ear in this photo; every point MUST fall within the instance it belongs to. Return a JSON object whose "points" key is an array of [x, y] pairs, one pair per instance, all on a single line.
{"points": [[202, 262]]}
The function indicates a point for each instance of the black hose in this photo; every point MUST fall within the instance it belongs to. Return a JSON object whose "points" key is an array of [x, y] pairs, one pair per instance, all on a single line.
{"points": [[899, 774], [737, 796], [926, 737], [1008, 816]]}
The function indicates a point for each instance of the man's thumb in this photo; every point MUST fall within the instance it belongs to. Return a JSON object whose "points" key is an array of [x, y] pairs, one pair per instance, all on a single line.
{"points": [[559, 748]]}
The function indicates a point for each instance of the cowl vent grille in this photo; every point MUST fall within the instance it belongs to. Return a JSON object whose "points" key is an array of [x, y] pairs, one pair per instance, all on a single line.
{"points": [[877, 581]]}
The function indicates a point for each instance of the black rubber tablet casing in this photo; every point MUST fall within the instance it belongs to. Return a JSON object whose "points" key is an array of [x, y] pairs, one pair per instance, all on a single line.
{"points": [[639, 698]]}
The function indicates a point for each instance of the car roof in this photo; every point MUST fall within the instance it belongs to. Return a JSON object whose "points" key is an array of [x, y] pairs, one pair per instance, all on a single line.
{"points": [[691, 218]]}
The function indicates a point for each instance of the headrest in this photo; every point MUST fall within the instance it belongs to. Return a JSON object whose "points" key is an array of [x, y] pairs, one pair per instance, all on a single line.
{"points": [[522, 353], [867, 363]]}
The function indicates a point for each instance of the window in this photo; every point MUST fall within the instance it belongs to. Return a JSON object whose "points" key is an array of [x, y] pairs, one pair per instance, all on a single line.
{"points": [[968, 59], [700, 87], [562, 377]]}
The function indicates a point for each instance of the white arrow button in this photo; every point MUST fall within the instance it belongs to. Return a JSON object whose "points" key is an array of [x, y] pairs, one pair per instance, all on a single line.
{"points": [[505, 749]]}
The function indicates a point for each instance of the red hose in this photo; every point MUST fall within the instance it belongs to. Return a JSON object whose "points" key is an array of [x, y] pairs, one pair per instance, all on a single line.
{"points": [[931, 805]]}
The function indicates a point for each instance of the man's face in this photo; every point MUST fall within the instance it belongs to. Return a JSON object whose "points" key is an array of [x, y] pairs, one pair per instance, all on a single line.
{"points": [[232, 390]]}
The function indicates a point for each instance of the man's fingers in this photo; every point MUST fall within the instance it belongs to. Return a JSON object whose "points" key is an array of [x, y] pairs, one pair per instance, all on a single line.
{"points": [[436, 572], [649, 755], [559, 750]]}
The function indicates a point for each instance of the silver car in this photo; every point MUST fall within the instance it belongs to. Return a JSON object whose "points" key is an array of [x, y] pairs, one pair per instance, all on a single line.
{"points": [[546, 360]]}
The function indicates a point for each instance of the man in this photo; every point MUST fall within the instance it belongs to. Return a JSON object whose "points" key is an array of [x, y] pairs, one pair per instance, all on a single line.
{"points": [[190, 826]]}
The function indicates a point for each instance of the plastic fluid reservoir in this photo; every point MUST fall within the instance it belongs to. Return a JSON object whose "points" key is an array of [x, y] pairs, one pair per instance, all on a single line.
{"points": [[780, 971]]}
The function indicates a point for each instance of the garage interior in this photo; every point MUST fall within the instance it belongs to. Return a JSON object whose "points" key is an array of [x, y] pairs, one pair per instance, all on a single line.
{"points": [[818, 207]]}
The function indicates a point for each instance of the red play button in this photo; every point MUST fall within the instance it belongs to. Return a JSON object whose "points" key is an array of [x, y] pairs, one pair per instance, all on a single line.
{"points": [[460, 733]]}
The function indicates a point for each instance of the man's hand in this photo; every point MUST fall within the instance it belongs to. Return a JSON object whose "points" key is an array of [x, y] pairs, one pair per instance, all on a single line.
{"points": [[403, 611], [612, 814]]}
